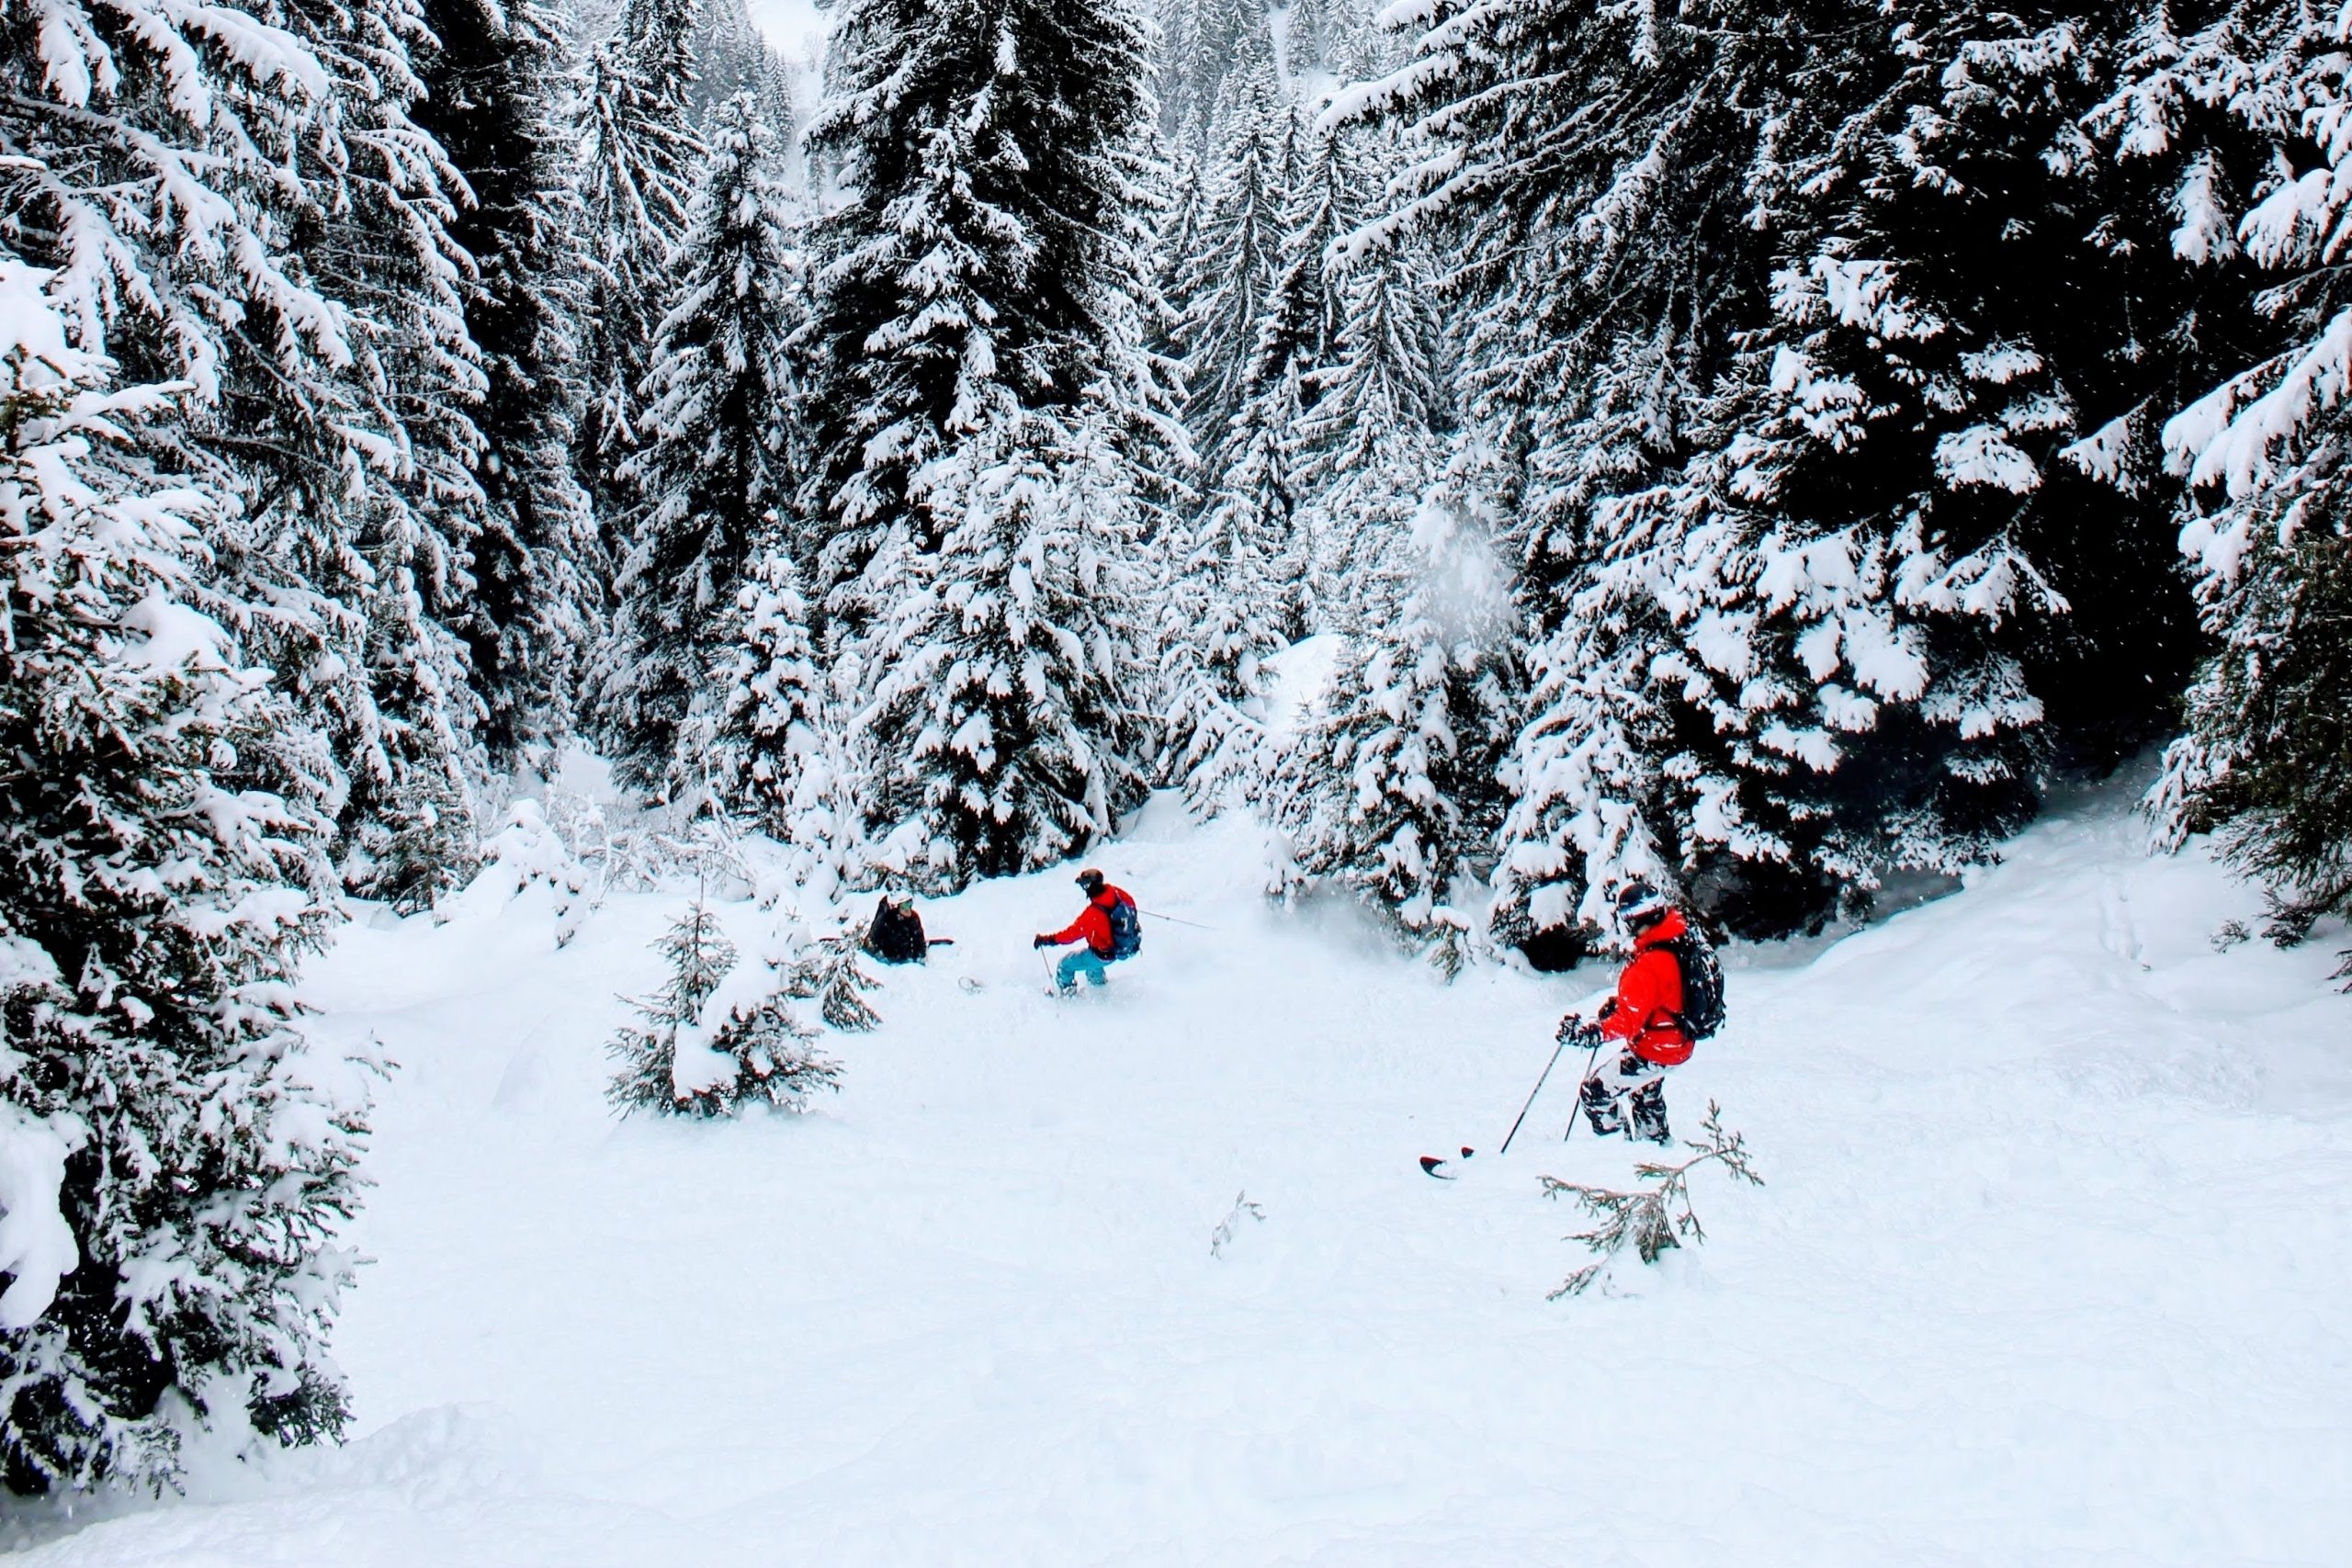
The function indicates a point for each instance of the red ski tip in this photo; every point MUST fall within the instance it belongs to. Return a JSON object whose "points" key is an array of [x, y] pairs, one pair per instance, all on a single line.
{"points": [[1430, 1167]]}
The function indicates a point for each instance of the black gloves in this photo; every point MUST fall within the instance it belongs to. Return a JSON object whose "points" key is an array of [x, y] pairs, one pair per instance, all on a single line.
{"points": [[1575, 1028], [1041, 941]]}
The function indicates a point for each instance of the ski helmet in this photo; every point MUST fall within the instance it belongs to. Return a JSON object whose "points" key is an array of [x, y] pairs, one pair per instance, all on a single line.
{"points": [[1638, 903], [1091, 880]]}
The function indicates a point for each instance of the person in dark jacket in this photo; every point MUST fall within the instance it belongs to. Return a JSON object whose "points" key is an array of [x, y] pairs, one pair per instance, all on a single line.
{"points": [[1639, 1030], [896, 936], [1105, 907]]}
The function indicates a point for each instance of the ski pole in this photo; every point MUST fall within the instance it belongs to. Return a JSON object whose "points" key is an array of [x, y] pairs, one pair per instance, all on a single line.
{"points": [[1578, 1109], [1174, 921], [1556, 1049]]}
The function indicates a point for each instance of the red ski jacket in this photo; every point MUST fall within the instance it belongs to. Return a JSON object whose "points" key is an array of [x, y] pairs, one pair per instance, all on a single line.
{"points": [[1092, 926], [1648, 1008]]}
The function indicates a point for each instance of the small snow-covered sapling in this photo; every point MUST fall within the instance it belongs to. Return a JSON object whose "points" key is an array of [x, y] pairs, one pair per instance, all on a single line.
{"points": [[1654, 1217]]}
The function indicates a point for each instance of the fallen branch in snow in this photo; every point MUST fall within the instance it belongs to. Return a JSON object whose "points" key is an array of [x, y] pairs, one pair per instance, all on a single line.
{"points": [[1222, 1238], [1646, 1217]]}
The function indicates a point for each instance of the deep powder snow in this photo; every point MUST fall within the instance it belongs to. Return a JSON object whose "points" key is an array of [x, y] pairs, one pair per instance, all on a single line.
{"points": [[2051, 1266]]}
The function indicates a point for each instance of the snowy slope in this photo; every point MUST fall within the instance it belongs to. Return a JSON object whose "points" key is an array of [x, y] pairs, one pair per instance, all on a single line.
{"points": [[2050, 1268]]}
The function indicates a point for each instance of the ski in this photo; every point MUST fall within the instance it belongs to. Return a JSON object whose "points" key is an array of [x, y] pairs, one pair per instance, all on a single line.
{"points": [[1434, 1165]]}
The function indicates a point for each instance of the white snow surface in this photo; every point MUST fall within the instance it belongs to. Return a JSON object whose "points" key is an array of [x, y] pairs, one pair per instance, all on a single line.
{"points": [[2050, 1268]]}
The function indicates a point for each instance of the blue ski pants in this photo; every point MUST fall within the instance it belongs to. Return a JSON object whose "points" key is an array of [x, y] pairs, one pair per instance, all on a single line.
{"points": [[1081, 961]]}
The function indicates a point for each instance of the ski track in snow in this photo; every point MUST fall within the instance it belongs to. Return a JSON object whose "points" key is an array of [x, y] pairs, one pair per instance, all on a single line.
{"points": [[2051, 1267]]}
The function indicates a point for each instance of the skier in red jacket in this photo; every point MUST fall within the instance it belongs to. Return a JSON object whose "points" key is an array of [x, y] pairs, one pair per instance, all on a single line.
{"points": [[1108, 910], [1639, 1030]]}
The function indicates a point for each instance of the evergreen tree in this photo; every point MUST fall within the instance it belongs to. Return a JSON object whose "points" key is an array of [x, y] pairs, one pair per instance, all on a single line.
{"points": [[1806, 461], [1231, 601], [160, 874], [713, 1039], [1200, 40], [832, 972], [496, 106], [711, 474], [1306, 307], [251, 210], [1370, 444], [2266, 760], [773, 730], [982, 406], [1310, 42], [1388, 793], [641, 160], [1236, 251], [1008, 678]]}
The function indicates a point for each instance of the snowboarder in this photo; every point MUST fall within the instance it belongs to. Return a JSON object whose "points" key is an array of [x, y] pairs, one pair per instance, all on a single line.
{"points": [[1668, 997], [1108, 928]]}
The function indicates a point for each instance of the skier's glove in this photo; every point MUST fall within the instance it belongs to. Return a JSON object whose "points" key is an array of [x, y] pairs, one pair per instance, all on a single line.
{"points": [[1575, 1028], [1041, 941]]}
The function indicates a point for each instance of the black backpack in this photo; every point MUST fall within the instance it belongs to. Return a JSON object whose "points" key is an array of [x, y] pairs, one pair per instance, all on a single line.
{"points": [[1703, 984], [1126, 929]]}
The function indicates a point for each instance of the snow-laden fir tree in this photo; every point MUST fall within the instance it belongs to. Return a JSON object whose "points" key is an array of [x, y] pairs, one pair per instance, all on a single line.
{"points": [[1230, 601], [711, 473], [1303, 311], [784, 738], [1237, 249], [1387, 793], [391, 465], [1200, 41], [1799, 445], [1852, 602], [831, 971], [1008, 683], [978, 405], [1370, 439], [2267, 757], [497, 104], [250, 210], [1599, 286], [180, 1161], [639, 160], [716, 1038]]}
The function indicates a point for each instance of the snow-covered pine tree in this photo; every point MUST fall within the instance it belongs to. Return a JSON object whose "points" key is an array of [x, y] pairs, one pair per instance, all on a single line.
{"points": [[1200, 41], [640, 158], [1234, 585], [713, 1039], [1306, 306], [2266, 760], [711, 474], [1851, 600], [729, 57], [251, 210], [1389, 793], [831, 971], [1007, 684], [497, 105], [1375, 434], [1231, 598], [172, 1266], [1310, 40], [1601, 285], [981, 408], [773, 722], [1237, 248]]}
